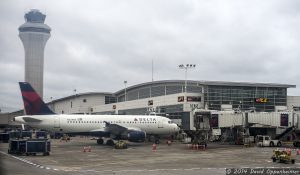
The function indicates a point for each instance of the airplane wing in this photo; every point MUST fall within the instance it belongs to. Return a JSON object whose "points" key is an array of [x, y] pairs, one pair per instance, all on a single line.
{"points": [[118, 129]]}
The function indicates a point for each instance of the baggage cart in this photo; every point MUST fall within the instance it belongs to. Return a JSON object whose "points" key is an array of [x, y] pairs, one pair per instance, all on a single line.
{"points": [[29, 147]]}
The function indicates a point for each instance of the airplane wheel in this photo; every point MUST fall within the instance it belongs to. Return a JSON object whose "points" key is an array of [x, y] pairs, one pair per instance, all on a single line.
{"points": [[100, 141], [110, 142]]}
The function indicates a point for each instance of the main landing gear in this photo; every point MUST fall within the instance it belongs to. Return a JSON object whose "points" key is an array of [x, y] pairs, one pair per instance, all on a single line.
{"points": [[100, 141], [109, 142], [154, 139]]}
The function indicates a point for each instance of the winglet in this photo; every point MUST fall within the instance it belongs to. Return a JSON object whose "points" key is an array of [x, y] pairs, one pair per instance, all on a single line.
{"points": [[33, 104]]}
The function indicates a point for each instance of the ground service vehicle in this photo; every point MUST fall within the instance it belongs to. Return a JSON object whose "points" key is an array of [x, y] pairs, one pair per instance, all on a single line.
{"points": [[282, 157], [262, 141]]}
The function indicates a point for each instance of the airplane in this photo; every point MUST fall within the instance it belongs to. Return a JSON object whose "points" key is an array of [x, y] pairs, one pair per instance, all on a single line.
{"points": [[133, 128]]}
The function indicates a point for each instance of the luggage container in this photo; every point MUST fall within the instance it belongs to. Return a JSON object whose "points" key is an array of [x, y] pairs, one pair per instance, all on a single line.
{"points": [[29, 147], [38, 146], [41, 134], [4, 137], [14, 134], [17, 147], [56, 135], [26, 134]]}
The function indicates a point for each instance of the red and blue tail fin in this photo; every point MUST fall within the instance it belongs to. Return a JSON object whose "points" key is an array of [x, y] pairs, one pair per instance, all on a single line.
{"points": [[33, 104]]}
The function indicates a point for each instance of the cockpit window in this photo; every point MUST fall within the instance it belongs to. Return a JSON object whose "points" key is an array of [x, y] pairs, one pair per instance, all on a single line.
{"points": [[170, 122]]}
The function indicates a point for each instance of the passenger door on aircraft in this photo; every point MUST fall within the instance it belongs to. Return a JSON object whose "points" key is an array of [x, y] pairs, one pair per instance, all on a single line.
{"points": [[160, 124], [56, 122]]}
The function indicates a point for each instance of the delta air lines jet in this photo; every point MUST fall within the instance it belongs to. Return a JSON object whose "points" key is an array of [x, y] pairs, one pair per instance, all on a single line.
{"points": [[134, 128]]}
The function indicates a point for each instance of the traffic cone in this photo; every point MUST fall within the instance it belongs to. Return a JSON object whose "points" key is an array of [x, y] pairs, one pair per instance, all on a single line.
{"points": [[169, 143], [84, 149], [289, 152], [154, 146], [89, 149], [298, 152]]}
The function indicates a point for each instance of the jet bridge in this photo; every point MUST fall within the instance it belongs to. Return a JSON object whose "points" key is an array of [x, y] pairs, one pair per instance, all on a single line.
{"points": [[206, 125], [197, 125]]}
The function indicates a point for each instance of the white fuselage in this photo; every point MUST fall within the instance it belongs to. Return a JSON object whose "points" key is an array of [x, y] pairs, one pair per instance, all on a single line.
{"points": [[78, 123]]}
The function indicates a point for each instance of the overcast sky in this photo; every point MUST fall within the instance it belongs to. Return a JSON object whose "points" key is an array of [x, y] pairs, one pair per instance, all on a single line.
{"points": [[96, 45]]}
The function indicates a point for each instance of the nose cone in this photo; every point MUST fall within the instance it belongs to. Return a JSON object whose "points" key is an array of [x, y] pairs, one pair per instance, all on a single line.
{"points": [[176, 127]]}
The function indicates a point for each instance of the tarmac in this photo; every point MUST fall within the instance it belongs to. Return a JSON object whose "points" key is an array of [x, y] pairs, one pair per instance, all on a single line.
{"points": [[68, 158]]}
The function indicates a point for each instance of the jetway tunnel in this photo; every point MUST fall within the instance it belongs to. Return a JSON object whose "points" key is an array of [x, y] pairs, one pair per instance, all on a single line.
{"points": [[207, 124]]}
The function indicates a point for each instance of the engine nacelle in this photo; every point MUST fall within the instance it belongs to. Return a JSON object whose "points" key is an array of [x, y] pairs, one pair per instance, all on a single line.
{"points": [[137, 136]]}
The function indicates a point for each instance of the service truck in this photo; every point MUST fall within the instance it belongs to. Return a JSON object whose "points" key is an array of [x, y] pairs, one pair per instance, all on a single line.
{"points": [[264, 140]]}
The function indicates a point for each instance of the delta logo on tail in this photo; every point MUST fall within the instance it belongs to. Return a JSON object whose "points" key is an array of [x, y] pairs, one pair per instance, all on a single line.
{"points": [[33, 104]]}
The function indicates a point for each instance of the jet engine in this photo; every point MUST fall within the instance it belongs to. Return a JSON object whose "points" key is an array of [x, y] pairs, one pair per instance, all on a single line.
{"points": [[136, 136]]}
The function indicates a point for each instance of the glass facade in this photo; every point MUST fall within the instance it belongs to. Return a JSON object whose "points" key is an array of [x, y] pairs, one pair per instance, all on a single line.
{"points": [[245, 98], [158, 90], [171, 110], [137, 111], [34, 29], [110, 99], [35, 16]]}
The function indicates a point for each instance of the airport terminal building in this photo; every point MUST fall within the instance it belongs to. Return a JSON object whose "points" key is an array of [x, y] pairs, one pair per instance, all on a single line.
{"points": [[177, 99], [173, 97]]}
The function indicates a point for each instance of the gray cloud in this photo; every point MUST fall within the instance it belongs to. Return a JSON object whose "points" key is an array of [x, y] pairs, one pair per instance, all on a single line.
{"points": [[96, 45]]}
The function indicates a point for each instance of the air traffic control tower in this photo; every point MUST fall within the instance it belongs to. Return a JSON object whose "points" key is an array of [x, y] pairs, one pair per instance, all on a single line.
{"points": [[34, 35]]}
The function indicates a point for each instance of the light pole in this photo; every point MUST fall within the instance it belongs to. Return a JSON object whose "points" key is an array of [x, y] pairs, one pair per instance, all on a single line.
{"points": [[186, 67], [51, 102], [125, 83]]}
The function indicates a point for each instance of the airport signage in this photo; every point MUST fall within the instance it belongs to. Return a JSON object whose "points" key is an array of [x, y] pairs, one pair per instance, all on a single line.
{"points": [[194, 106], [150, 102], [261, 100], [193, 99], [181, 99], [151, 109]]}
